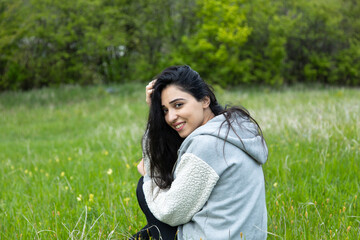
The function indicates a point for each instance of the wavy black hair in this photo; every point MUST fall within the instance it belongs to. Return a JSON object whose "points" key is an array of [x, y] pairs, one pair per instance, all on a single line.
{"points": [[162, 142]]}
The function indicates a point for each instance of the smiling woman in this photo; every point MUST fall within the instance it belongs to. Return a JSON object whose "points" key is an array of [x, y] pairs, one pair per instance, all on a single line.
{"points": [[202, 164], [183, 112]]}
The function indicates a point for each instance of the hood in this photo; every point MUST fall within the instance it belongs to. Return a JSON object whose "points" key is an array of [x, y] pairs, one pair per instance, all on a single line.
{"points": [[251, 142]]}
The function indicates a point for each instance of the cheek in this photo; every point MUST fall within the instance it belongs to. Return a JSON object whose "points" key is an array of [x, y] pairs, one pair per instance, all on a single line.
{"points": [[199, 119], [166, 119]]}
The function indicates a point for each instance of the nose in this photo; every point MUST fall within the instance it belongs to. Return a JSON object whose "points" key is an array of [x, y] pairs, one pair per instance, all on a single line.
{"points": [[172, 115]]}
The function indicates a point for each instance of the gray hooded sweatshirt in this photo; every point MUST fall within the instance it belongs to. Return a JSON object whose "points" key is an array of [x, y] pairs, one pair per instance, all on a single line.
{"points": [[218, 190]]}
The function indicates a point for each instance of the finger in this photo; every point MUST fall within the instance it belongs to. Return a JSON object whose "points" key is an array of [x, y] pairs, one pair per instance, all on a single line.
{"points": [[151, 82], [150, 85]]}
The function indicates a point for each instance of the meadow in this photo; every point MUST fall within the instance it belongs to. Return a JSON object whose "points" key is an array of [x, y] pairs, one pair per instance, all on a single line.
{"points": [[68, 160]]}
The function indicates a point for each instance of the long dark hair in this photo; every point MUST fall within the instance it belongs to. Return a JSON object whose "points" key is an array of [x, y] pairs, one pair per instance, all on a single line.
{"points": [[162, 142]]}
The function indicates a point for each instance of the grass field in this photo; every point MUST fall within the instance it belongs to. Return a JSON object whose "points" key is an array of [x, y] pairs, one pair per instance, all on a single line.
{"points": [[68, 161]]}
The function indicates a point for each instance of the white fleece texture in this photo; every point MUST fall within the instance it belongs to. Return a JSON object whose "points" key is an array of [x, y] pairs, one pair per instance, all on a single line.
{"points": [[188, 193]]}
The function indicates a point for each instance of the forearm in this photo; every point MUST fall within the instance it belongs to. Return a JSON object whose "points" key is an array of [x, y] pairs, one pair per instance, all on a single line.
{"points": [[188, 193]]}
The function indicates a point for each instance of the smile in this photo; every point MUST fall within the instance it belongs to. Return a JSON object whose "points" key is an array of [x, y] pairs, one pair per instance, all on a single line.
{"points": [[180, 126]]}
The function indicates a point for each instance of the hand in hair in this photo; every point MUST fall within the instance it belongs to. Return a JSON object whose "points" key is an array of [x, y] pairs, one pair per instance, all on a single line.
{"points": [[149, 90], [141, 168]]}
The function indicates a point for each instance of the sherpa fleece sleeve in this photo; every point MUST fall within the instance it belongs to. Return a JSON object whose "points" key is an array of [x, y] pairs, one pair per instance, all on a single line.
{"points": [[188, 193]]}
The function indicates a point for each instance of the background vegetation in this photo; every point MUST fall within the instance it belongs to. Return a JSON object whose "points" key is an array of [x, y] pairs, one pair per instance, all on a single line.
{"points": [[277, 42], [68, 161]]}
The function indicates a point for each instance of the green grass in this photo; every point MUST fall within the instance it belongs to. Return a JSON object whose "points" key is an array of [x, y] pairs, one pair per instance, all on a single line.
{"points": [[57, 147]]}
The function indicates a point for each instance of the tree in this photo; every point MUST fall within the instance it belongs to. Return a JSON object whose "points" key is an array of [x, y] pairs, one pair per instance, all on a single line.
{"points": [[215, 46]]}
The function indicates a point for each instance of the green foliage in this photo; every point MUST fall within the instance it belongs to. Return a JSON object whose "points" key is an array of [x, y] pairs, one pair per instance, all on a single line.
{"points": [[347, 65], [282, 42], [62, 42], [215, 47], [228, 42]]}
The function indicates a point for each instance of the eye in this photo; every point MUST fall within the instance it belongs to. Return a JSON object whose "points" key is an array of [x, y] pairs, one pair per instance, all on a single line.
{"points": [[177, 105], [165, 110]]}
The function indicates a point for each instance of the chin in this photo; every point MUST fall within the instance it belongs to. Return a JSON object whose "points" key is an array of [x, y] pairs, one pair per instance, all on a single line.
{"points": [[181, 136], [184, 135]]}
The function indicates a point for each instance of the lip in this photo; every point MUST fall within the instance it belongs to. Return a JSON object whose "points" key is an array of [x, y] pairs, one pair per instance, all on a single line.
{"points": [[177, 124]]}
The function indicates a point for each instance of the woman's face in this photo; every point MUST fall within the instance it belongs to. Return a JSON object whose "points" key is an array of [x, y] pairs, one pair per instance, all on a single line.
{"points": [[182, 111]]}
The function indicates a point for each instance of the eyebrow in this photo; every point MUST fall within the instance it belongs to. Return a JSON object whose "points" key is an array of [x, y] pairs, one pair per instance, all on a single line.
{"points": [[176, 99]]}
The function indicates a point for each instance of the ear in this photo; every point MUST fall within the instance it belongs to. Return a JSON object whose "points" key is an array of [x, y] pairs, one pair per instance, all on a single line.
{"points": [[205, 102]]}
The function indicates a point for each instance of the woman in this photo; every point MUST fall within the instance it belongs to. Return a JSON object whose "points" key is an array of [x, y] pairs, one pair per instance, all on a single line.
{"points": [[202, 164]]}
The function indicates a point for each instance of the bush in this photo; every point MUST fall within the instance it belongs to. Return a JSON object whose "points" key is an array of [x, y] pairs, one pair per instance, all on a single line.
{"points": [[228, 42]]}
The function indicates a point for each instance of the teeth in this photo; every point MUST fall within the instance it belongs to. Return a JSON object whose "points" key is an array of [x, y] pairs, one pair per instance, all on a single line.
{"points": [[179, 126]]}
